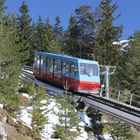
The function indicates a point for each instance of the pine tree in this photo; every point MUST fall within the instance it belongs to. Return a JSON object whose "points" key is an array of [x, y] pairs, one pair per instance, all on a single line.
{"points": [[24, 34], [2, 7], [71, 37], [33, 43], [106, 33], [48, 34], [81, 33], [38, 113], [40, 35], [86, 26], [119, 130], [129, 73], [9, 64], [51, 44], [68, 118], [57, 29]]}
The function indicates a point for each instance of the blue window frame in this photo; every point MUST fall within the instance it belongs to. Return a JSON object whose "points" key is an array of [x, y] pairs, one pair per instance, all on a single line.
{"points": [[65, 68], [50, 64], [37, 62], [43, 63], [57, 66]]}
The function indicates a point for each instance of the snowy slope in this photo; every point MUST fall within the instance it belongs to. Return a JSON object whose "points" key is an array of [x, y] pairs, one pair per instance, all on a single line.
{"points": [[26, 117]]}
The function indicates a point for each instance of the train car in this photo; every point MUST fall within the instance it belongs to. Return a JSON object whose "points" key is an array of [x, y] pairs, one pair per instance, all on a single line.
{"points": [[82, 75]]}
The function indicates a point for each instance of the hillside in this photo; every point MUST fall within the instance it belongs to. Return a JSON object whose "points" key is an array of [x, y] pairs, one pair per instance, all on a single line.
{"points": [[13, 130]]}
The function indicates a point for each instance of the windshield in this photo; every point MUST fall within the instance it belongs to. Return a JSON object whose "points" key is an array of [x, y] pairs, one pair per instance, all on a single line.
{"points": [[89, 69]]}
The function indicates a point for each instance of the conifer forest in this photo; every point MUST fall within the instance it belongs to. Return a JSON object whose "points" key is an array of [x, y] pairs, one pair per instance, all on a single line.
{"points": [[90, 34]]}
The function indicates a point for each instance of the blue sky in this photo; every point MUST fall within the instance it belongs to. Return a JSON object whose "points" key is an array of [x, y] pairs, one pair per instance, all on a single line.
{"points": [[129, 9]]}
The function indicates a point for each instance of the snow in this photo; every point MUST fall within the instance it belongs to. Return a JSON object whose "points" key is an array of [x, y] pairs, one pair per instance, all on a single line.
{"points": [[107, 136], [84, 119], [25, 117], [52, 120], [26, 95], [123, 43], [1, 105], [2, 130], [28, 71], [83, 135]]}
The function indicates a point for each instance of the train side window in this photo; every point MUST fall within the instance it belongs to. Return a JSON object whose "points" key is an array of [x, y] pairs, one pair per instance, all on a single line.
{"points": [[50, 64], [65, 67], [74, 68], [57, 66], [37, 61], [43, 62]]}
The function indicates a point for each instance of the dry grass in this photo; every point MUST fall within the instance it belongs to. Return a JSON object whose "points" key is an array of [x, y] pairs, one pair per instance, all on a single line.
{"points": [[15, 131]]}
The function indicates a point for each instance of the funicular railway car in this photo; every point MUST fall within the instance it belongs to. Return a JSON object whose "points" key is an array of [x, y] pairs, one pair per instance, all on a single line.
{"points": [[82, 75]]}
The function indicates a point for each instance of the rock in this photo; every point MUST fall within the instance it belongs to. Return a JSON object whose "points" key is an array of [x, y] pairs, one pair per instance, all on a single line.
{"points": [[10, 121], [3, 133]]}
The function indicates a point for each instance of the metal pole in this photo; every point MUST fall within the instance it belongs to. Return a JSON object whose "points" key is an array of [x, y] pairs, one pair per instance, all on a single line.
{"points": [[107, 74], [131, 97], [119, 95], [107, 80]]}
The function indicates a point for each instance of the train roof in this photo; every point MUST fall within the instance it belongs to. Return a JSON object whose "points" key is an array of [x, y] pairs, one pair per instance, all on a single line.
{"points": [[65, 57]]}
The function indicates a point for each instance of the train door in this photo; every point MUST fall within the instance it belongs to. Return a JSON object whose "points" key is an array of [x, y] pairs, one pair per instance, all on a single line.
{"points": [[57, 71], [49, 68], [73, 75], [36, 65], [43, 67], [65, 72]]}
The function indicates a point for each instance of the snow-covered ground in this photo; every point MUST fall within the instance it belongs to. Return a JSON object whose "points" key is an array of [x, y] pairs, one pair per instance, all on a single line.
{"points": [[53, 119], [107, 136]]}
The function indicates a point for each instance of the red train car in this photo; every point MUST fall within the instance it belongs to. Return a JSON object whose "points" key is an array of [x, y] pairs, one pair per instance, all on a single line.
{"points": [[82, 75]]}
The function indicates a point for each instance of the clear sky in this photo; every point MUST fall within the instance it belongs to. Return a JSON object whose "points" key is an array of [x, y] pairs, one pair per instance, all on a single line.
{"points": [[129, 9]]}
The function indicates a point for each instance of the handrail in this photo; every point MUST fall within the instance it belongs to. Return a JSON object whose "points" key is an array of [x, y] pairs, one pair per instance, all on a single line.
{"points": [[115, 94], [122, 96]]}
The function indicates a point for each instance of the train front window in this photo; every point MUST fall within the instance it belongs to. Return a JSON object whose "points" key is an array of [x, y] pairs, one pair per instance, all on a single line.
{"points": [[89, 69]]}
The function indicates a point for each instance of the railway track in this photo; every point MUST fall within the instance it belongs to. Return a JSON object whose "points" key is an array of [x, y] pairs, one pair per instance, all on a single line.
{"points": [[111, 106]]}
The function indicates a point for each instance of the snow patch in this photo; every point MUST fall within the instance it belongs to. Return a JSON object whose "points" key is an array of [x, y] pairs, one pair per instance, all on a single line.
{"points": [[26, 95], [107, 136], [52, 109], [1, 105], [84, 118]]}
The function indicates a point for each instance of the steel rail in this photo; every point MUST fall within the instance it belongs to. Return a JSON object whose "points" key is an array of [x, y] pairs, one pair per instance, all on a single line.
{"points": [[115, 108]]}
